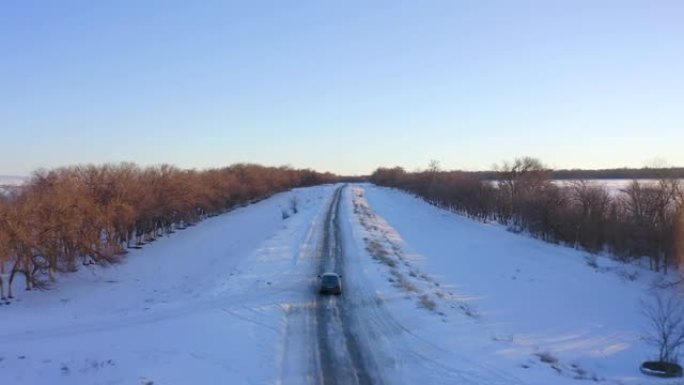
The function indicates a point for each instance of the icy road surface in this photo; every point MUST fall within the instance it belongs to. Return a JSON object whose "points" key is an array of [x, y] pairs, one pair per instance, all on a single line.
{"points": [[428, 297]]}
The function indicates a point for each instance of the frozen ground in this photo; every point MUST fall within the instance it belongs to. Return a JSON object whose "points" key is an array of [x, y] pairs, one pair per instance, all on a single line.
{"points": [[613, 186], [430, 297], [12, 180], [9, 183], [527, 301]]}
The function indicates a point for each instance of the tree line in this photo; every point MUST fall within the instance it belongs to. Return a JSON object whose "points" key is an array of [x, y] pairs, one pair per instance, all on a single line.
{"points": [[89, 214], [609, 173], [645, 219]]}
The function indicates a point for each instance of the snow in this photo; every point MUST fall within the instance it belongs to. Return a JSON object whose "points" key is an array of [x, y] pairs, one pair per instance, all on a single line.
{"points": [[12, 180], [435, 298], [615, 187], [9, 183], [197, 307], [530, 301]]}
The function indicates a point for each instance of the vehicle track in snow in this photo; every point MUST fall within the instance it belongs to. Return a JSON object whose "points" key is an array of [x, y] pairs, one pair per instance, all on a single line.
{"points": [[342, 357]]}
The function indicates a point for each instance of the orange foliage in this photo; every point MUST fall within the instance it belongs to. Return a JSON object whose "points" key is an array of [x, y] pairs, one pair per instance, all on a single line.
{"points": [[88, 214]]}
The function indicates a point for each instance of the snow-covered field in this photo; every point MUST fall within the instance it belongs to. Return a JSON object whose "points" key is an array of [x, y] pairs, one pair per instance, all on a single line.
{"points": [[9, 183], [614, 186], [436, 298], [528, 301], [12, 180]]}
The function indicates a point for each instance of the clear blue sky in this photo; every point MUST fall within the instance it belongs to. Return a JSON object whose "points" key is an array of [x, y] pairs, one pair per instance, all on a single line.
{"points": [[342, 86]]}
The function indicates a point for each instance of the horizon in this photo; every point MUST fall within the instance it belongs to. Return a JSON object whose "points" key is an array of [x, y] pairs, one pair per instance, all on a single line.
{"points": [[4, 177], [342, 88]]}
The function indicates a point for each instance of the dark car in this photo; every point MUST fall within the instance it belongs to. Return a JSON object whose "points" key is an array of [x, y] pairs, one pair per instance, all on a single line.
{"points": [[331, 283]]}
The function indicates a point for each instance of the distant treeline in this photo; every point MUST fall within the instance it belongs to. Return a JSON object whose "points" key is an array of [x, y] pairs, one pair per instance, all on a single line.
{"points": [[645, 220], [86, 214], [611, 173]]}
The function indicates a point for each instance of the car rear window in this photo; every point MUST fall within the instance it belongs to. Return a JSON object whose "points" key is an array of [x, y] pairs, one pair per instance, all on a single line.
{"points": [[329, 280]]}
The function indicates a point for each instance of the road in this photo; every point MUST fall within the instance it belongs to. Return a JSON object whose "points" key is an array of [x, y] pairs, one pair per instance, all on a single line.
{"points": [[343, 358]]}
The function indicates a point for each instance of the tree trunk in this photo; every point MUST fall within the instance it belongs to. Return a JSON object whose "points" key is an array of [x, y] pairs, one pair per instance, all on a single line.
{"points": [[2, 288], [11, 279]]}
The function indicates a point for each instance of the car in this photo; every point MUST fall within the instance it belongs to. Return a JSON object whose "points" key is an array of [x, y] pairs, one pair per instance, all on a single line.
{"points": [[331, 283]]}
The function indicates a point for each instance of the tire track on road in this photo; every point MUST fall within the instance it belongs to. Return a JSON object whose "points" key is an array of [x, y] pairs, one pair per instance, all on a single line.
{"points": [[341, 356]]}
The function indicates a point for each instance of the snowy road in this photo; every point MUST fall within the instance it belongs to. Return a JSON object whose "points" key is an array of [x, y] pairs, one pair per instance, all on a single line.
{"points": [[341, 354], [337, 354]]}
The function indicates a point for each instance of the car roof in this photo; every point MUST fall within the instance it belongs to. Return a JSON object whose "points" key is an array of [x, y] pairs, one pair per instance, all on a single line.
{"points": [[330, 274]]}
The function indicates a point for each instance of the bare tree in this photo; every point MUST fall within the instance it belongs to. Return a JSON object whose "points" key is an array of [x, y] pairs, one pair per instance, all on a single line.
{"points": [[4, 247], [590, 204], [666, 322], [652, 210], [679, 233], [519, 183]]}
